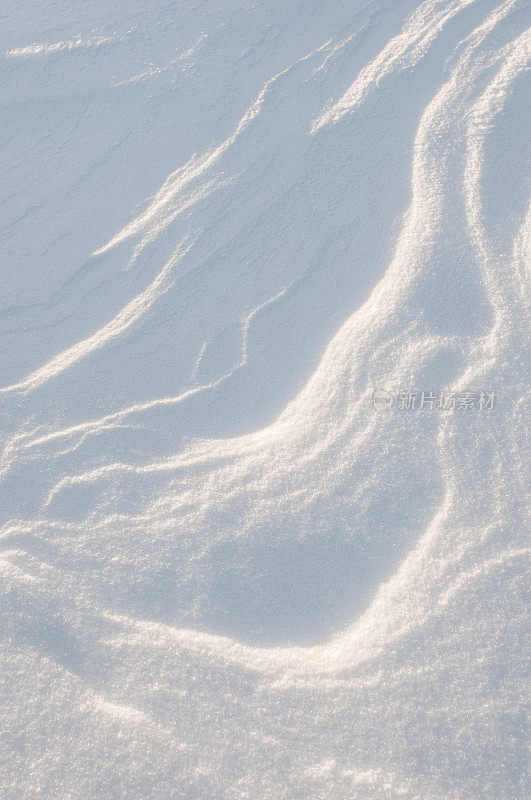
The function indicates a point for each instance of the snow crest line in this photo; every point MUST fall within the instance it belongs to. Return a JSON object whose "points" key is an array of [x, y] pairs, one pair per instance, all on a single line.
{"points": [[128, 316], [167, 204], [49, 48], [402, 52]]}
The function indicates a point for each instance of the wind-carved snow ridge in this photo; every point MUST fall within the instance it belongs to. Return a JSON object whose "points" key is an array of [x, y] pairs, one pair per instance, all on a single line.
{"points": [[27, 441], [402, 52], [46, 49], [504, 290], [331, 604], [168, 202], [128, 316], [510, 292], [102, 424]]}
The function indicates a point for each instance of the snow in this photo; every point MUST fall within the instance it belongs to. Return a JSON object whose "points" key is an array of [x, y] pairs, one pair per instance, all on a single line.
{"points": [[225, 574]]}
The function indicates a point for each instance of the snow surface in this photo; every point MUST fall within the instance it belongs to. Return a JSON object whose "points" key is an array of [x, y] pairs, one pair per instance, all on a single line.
{"points": [[224, 574]]}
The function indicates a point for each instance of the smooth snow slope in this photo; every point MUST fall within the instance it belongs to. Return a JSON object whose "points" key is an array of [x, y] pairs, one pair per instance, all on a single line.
{"points": [[225, 224]]}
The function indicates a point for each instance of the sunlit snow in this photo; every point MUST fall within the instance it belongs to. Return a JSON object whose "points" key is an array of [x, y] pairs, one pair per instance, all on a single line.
{"points": [[229, 569]]}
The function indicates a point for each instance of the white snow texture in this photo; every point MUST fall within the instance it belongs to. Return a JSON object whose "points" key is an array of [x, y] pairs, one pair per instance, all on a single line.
{"points": [[226, 575]]}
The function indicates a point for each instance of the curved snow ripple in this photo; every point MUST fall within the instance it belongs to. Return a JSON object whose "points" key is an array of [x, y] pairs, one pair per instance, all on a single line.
{"points": [[127, 317], [168, 202], [402, 52], [49, 48]]}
